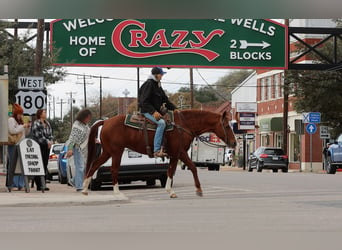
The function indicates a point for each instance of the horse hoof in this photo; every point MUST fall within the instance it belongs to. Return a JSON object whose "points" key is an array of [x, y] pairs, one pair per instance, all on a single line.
{"points": [[84, 193], [173, 196], [199, 193]]}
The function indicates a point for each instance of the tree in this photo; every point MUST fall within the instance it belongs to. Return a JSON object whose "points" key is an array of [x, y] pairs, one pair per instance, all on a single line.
{"points": [[19, 57]]}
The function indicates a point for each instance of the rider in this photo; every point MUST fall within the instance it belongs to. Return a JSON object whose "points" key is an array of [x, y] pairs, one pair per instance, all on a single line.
{"points": [[151, 99]]}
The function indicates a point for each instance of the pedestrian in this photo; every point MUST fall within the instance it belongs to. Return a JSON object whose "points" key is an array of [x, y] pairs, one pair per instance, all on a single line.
{"points": [[17, 131], [325, 155], [152, 101], [77, 146], [42, 134]]}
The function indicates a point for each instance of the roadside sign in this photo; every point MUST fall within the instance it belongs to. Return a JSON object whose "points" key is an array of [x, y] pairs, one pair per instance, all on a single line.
{"points": [[31, 100], [312, 117], [246, 121], [324, 132], [249, 107], [219, 43], [311, 128], [31, 82], [250, 136]]}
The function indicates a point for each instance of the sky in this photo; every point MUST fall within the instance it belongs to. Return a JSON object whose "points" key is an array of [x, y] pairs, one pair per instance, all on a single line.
{"points": [[121, 79]]}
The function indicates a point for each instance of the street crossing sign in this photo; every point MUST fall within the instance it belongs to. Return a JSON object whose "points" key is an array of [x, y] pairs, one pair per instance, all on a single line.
{"points": [[311, 128], [312, 117]]}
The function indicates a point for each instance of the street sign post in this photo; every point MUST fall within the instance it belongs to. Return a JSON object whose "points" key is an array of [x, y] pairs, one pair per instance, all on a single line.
{"points": [[211, 43], [311, 129]]}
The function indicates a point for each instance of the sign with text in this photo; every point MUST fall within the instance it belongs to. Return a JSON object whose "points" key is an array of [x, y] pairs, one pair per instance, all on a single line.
{"points": [[247, 121], [31, 100], [324, 132], [312, 117], [31, 83], [216, 43], [249, 107], [31, 158]]}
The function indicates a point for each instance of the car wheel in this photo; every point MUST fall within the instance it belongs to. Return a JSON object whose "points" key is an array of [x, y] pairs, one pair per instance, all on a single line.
{"points": [[258, 167], [249, 167], [163, 180], [151, 182], [229, 163], [275, 170], [330, 168], [285, 170], [95, 185], [183, 167], [62, 179]]}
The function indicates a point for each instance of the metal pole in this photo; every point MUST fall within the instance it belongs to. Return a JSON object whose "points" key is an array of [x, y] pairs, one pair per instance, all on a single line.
{"points": [[300, 153], [85, 91], [138, 86], [191, 88], [311, 152], [100, 97], [54, 108], [244, 150]]}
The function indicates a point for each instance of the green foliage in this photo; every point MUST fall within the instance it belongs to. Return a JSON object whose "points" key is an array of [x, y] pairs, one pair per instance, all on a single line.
{"points": [[320, 91], [20, 58]]}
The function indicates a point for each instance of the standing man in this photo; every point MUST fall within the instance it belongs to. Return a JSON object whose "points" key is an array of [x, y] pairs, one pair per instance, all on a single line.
{"points": [[151, 99]]}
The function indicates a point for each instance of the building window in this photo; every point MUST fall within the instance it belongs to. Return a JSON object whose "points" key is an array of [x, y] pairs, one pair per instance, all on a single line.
{"points": [[265, 140], [278, 140], [281, 85], [262, 90], [294, 148], [276, 84]]}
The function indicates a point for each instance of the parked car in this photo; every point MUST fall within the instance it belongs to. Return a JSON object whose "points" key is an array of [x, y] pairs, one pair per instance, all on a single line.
{"points": [[134, 167], [333, 160], [268, 158], [52, 167], [228, 156], [62, 166]]}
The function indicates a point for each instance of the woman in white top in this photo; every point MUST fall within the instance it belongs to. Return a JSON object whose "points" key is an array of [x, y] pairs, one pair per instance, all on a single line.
{"points": [[16, 126]]}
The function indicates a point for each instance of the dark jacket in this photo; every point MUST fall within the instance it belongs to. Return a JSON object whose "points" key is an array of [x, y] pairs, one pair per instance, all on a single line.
{"points": [[152, 97]]}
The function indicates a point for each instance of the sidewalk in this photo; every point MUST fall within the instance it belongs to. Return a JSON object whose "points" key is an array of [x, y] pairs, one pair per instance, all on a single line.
{"points": [[59, 195]]}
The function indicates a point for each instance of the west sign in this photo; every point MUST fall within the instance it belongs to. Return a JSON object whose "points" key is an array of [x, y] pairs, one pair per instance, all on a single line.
{"points": [[221, 43]]}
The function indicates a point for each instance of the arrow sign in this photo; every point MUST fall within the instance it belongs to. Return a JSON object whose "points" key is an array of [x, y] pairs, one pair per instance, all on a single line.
{"points": [[311, 128], [244, 44]]}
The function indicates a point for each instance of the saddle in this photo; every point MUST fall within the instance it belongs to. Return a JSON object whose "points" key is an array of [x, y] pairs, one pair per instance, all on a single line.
{"points": [[139, 121]]}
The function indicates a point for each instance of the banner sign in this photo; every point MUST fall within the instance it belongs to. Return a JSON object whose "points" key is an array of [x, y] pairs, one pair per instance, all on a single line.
{"points": [[215, 43]]}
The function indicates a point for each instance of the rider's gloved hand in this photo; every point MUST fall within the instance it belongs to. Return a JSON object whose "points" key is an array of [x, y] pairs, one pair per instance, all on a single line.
{"points": [[157, 115]]}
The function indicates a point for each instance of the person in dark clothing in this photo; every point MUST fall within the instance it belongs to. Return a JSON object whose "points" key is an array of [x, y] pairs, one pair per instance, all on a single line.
{"points": [[42, 134], [151, 100]]}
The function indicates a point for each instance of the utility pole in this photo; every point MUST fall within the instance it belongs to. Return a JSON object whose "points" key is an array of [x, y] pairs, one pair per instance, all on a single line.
{"points": [[286, 105], [39, 48], [61, 103], [100, 97], [191, 88], [71, 108], [85, 88], [125, 103]]}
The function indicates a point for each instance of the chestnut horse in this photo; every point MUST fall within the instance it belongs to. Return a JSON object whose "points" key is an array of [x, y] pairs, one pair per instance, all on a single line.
{"points": [[115, 137]]}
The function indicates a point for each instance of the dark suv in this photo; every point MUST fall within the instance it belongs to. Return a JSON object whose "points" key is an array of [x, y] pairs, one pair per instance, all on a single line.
{"points": [[268, 158]]}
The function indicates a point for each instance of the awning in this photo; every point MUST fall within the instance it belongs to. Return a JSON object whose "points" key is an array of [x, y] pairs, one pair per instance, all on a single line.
{"points": [[274, 124]]}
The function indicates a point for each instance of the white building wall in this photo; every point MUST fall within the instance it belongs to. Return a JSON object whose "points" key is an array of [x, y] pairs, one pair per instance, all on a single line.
{"points": [[246, 91]]}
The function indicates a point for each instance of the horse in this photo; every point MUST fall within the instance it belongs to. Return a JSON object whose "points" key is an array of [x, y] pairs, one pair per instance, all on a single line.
{"points": [[188, 124]]}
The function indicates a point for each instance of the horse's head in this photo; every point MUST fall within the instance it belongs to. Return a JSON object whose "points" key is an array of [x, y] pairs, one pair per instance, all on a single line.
{"points": [[225, 132]]}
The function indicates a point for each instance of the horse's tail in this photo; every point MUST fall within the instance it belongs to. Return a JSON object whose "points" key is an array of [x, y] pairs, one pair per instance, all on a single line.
{"points": [[91, 144]]}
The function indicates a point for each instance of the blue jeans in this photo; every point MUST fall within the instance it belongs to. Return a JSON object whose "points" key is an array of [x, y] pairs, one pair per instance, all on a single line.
{"points": [[79, 168], [18, 180], [158, 137]]}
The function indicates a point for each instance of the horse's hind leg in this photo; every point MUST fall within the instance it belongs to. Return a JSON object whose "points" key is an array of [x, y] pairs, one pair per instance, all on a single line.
{"points": [[188, 162], [116, 160], [96, 164], [170, 173]]}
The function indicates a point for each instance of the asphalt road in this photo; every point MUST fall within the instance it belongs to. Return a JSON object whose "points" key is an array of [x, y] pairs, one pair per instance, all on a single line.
{"points": [[233, 201]]}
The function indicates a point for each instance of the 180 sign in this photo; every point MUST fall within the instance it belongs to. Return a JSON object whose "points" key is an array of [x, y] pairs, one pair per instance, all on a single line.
{"points": [[31, 101]]}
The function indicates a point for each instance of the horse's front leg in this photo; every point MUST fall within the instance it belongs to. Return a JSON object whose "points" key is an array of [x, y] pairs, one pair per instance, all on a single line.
{"points": [[188, 162], [170, 173]]}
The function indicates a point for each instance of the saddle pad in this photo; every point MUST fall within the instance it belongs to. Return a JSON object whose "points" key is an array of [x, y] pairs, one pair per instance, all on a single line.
{"points": [[136, 121]]}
